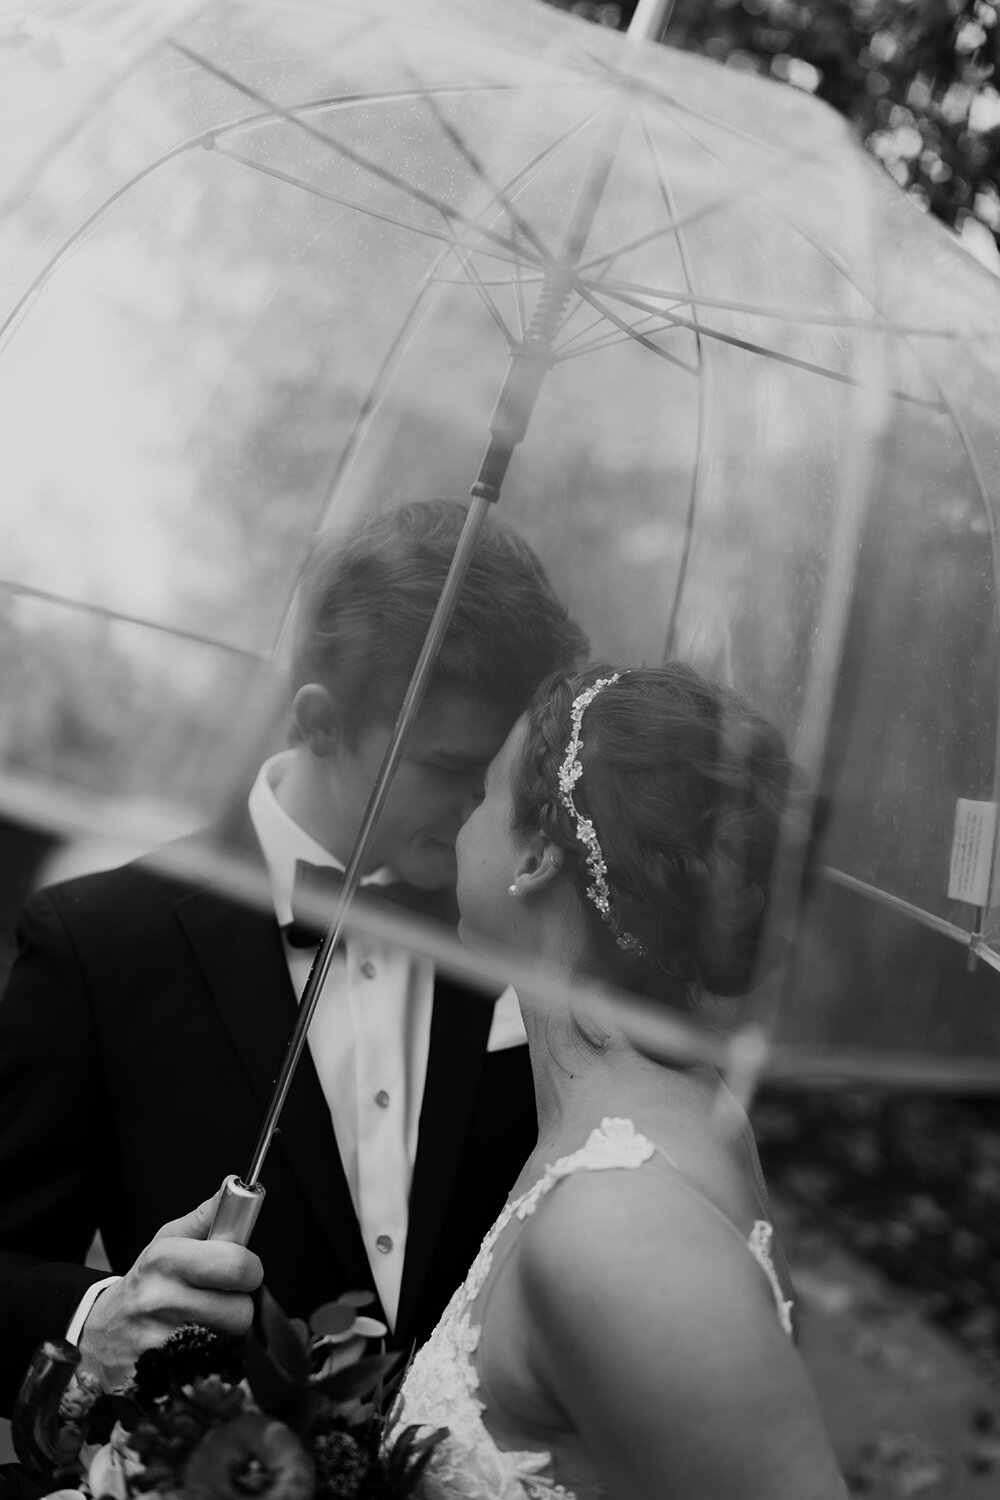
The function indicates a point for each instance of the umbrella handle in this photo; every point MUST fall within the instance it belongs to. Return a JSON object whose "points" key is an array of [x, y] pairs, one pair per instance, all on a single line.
{"points": [[236, 1212]]}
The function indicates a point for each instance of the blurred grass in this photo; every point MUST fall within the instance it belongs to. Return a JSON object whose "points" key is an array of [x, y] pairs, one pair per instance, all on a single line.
{"points": [[910, 1183]]}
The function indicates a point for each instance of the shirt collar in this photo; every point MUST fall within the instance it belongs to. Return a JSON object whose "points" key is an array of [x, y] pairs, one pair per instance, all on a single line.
{"points": [[283, 842]]}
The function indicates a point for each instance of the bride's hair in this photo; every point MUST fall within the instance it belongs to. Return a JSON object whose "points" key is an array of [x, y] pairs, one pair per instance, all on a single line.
{"points": [[684, 785]]}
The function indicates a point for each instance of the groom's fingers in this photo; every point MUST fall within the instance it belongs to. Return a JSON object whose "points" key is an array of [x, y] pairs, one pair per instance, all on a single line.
{"points": [[194, 1225], [171, 1286], [215, 1265], [177, 1280]]}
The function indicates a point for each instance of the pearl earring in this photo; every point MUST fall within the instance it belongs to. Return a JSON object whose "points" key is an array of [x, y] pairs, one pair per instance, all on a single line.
{"points": [[512, 890]]}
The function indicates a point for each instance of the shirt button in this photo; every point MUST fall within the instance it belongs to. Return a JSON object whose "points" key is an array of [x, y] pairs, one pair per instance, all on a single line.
{"points": [[382, 1099], [384, 1243], [368, 969]]}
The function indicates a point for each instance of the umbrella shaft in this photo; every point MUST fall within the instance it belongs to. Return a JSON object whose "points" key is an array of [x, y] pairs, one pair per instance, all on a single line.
{"points": [[478, 511], [511, 415], [649, 20]]}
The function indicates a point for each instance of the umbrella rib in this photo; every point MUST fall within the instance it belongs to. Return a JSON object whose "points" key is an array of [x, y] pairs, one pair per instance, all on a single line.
{"points": [[373, 401], [472, 160], [115, 616], [775, 355], [885, 898], [478, 285], [410, 189], [695, 483], [564, 350], [73, 239], [611, 340], [502, 281], [645, 89], [520, 264], [781, 315], [979, 477], [411, 226], [339, 198], [402, 339], [522, 318], [638, 338], [693, 215]]}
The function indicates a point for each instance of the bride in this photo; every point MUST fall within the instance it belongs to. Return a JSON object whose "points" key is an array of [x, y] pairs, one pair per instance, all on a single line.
{"points": [[626, 1329]]}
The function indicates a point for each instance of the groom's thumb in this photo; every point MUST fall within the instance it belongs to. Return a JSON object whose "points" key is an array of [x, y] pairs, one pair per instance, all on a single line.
{"points": [[192, 1226]]}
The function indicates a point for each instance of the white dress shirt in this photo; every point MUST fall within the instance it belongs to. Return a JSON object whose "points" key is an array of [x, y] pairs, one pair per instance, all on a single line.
{"points": [[368, 1038]]}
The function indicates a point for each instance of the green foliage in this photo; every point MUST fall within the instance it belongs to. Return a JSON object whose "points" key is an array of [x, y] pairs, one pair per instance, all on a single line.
{"points": [[916, 78]]}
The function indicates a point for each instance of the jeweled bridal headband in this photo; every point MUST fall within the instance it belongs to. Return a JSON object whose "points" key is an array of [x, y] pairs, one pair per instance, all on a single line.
{"points": [[569, 774]]}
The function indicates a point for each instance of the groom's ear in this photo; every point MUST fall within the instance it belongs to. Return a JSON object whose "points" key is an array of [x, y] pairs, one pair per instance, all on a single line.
{"points": [[539, 863], [316, 719]]}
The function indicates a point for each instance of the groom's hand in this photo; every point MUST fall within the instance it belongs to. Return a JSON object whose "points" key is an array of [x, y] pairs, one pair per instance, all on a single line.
{"points": [[180, 1277]]}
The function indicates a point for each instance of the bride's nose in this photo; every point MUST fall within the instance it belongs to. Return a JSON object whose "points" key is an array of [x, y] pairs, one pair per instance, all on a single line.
{"points": [[474, 793]]}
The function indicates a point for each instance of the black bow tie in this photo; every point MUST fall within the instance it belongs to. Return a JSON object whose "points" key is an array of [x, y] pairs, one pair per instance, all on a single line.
{"points": [[325, 883]]}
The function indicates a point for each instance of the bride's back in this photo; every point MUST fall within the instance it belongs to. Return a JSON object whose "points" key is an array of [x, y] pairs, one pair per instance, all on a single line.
{"points": [[614, 1305], [626, 1329]]}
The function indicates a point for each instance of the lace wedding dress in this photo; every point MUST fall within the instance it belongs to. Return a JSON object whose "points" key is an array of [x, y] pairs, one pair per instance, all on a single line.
{"points": [[441, 1388]]}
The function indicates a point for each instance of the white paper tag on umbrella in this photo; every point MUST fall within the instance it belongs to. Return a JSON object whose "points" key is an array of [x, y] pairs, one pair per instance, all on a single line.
{"points": [[972, 851]]}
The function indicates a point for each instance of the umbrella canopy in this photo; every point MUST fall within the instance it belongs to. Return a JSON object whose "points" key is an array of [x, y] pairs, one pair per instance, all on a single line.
{"points": [[264, 267]]}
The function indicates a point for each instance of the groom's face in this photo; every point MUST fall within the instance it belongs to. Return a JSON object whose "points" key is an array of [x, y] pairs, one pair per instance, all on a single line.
{"points": [[437, 785], [487, 856]]}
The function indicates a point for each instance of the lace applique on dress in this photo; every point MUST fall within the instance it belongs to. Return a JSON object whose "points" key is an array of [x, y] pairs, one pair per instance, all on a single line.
{"points": [[441, 1388], [759, 1245]]}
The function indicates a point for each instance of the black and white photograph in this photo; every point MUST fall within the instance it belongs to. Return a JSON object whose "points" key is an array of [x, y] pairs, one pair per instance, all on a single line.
{"points": [[499, 750]]}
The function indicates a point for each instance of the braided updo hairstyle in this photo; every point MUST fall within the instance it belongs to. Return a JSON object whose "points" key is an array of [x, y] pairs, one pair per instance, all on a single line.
{"points": [[685, 785]]}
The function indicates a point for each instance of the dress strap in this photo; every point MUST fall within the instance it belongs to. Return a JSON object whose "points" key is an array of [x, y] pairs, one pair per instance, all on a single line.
{"points": [[758, 1242]]}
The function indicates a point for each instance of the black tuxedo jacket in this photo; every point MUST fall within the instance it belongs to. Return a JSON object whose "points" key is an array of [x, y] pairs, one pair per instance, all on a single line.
{"points": [[142, 1027]]}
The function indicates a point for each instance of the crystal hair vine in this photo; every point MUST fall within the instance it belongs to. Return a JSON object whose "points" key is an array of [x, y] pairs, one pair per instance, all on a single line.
{"points": [[569, 774]]}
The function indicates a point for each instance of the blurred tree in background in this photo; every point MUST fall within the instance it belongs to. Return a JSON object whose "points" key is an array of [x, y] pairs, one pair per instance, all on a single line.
{"points": [[916, 78]]}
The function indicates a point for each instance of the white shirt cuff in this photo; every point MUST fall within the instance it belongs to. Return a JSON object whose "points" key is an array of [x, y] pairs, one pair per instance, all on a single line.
{"points": [[82, 1313]]}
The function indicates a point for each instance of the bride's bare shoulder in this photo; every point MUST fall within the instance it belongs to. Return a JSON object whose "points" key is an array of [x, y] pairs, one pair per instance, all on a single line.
{"points": [[624, 1226], [607, 1236]]}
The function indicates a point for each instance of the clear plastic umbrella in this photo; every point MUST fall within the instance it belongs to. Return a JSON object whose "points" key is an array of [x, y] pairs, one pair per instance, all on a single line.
{"points": [[265, 266]]}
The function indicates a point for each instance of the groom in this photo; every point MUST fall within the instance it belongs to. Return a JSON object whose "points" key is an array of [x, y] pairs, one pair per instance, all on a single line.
{"points": [[146, 1015]]}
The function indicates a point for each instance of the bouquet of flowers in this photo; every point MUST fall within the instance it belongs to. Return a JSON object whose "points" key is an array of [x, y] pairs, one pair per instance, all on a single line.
{"points": [[293, 1412]]}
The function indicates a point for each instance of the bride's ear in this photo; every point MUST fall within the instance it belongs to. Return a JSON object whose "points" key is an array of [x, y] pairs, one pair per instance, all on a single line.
{"points": [[539, 863]]}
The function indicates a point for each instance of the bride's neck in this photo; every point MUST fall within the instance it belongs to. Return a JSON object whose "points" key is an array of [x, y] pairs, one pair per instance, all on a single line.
{"points": [[579, 1081]]}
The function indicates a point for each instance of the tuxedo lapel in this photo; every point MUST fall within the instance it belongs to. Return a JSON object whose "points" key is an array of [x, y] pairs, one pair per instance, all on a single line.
{"points": [[460, 1028], [240, 953]]}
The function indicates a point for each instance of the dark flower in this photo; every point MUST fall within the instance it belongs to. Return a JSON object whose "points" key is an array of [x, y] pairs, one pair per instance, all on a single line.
{"points": [[188, 1353], [252, 1455], [164, 1436], [342, 1465]]}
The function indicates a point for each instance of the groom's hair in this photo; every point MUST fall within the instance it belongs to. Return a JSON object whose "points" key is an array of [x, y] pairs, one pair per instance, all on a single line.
{"points": [[367, 599]]}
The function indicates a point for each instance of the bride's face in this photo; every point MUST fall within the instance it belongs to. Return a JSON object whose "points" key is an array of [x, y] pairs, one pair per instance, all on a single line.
{"points": [[487, 853]]}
